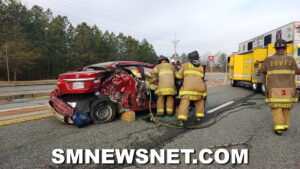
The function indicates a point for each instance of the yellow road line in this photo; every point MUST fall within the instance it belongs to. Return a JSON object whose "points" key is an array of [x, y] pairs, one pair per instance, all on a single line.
{"points": [[41, 97], [27, 119]]}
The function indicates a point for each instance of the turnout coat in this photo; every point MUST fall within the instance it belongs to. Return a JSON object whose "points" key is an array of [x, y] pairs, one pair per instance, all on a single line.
{"points": [[280, 73], [165, 74], [193, 87]]}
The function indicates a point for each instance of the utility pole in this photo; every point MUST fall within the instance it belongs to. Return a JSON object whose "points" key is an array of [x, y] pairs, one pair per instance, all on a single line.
{"points": [[7, 65], [175, 47]]}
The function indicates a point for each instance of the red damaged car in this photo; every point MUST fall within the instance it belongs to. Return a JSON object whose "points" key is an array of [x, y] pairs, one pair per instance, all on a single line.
{"points": [[102, 90]]}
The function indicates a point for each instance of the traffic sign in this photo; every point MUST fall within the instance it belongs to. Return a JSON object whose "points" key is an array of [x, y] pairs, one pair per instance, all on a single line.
{"points": [[210, 58]]}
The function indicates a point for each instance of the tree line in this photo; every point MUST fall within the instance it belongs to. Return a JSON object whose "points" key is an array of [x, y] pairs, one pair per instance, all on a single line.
{"points": [[35, 45]]}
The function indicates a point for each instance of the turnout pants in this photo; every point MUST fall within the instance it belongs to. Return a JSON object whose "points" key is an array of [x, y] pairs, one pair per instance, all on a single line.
{"points": [[184, 108], [161, 105], [281, 118]]}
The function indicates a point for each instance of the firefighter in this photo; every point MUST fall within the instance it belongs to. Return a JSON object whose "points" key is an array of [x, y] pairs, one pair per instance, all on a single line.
{"points": [[280, 71], [177, 65], [193, 88], [164, 73]]}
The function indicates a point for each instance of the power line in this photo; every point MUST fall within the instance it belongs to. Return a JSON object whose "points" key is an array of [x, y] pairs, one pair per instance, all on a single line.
{"points": [[80, 19], [57, 3], [109, 16], [102, 17], [123, 16]]}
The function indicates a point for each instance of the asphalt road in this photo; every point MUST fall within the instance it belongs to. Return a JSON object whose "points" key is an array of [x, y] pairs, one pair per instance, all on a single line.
{"points": [[4, 90], [266, 150], [215, 75], [30, 144]]}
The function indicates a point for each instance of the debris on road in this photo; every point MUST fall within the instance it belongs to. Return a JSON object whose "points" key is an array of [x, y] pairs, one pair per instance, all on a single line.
{"points": [[245, 143]]}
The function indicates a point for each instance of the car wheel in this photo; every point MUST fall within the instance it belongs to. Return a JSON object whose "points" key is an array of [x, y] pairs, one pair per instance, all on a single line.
{"points": [[263, 89], [256, 87], [102, 111], [233, 83]]}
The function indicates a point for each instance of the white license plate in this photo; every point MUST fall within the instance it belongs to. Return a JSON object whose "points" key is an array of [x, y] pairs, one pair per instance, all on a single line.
{"points": [[78, 85]]}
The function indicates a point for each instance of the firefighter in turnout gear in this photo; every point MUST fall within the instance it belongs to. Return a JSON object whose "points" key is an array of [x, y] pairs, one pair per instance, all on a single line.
{"points": [[164, 72], [280, 71], [193, 88]]}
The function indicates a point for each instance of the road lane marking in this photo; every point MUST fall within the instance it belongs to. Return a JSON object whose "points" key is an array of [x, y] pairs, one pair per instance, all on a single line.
{"points": [[24, 115], [27, 119], [220, 107], [41, 97], [21, 108]]}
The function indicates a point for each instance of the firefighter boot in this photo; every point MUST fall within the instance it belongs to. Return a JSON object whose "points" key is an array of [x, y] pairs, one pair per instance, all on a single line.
{"points": [[181, 123], [278, 132]]}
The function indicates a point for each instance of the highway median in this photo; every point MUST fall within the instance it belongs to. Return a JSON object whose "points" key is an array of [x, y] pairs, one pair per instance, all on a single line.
{"points": [[6, 97]]}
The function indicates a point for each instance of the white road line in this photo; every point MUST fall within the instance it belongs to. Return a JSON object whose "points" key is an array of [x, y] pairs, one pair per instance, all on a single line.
{"points": [[21, 108], [24, 115], [220, 107]]}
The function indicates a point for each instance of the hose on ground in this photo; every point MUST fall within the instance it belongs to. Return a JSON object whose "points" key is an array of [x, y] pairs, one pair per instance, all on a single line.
{"points": [[244, 105]]}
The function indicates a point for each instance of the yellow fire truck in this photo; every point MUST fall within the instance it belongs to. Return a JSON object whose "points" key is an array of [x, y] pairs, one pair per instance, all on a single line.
{"points": [[244, 64]]}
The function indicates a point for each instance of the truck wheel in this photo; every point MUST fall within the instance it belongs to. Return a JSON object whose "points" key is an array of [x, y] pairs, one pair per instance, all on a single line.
{"points": [[102, 111], [256, 87], [263, 89], [233, 83]]}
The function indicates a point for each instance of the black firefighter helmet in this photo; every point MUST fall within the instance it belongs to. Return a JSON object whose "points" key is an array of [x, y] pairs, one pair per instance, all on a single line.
{"points": [[161, 58], [193, 55], [280, 44]]}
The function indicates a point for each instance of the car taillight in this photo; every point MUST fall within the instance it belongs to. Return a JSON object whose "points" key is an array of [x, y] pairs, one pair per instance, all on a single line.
{"points": [[59, 81]]}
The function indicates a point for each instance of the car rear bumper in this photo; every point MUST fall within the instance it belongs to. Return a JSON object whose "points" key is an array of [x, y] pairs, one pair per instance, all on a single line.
{"points": [[60, 117], [60, 109]]}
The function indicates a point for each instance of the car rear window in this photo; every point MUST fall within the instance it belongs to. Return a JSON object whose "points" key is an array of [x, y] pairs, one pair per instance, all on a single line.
{"points": [[93, 68]]}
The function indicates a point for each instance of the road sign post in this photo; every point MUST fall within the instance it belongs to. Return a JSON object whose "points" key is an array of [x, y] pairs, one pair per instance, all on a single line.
{"points": [[211, 58]]}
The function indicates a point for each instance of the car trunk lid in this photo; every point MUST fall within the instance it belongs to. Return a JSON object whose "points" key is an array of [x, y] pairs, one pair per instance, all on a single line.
{"points": [[79, 82]]}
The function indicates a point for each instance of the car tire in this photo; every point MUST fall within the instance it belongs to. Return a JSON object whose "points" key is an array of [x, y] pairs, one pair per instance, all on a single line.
{"points": [[102, 111], [233, 83], [256, 87]]}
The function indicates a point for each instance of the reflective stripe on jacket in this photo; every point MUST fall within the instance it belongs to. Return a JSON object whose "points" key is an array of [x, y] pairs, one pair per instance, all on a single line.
{"points": [[285, 100], [280, 72]]}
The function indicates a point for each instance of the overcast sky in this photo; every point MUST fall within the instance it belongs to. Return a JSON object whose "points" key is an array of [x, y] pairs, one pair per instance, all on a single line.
{"points": [[203, 25]]}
